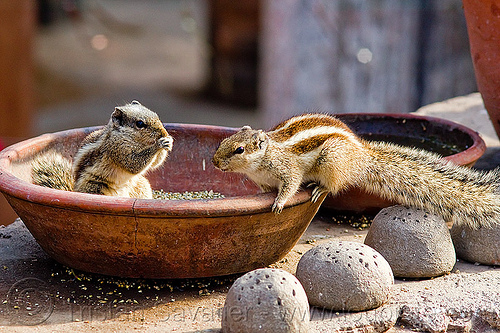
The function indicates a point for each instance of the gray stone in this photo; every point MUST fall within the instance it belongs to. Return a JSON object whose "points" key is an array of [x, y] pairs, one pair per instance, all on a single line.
{"points": [[415, 243], [378, 320], [345, 276], [477, 245], [430, 319], [266, 300]]}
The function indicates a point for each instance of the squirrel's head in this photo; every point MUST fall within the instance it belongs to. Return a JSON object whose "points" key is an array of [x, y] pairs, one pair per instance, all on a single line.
{"points": [[241, 151], [139, 124]]}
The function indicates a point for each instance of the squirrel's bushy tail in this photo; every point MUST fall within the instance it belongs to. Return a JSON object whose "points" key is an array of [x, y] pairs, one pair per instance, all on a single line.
{"points": [[421, 179], [52, 170]]}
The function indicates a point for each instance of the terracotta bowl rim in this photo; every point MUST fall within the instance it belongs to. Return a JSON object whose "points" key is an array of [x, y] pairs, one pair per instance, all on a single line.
{"points": [[229, 206]]}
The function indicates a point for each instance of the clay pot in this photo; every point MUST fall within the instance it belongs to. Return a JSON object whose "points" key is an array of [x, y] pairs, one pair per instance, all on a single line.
{"points": [[156, 238], [483, 26]]}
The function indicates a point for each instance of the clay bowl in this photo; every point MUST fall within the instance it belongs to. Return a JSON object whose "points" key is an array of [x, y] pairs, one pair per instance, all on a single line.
{"points": [[455, 142], [156, 238]]}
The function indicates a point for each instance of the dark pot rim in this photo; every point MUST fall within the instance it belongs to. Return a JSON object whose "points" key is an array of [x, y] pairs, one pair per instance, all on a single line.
{"points": [[466, 157]]}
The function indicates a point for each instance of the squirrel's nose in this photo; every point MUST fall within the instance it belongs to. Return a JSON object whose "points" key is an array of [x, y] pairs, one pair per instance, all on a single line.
{"points": [[215, 163]]}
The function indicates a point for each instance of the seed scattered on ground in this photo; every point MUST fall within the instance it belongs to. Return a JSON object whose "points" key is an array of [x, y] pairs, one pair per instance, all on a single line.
{"points": [[357, 221], [100, 290]]}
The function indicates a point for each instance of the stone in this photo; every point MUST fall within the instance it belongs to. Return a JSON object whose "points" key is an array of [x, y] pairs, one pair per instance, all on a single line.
{"points": [[431, 319], [266, 300], [378, 320], [416, 244], [477, 245], [345, 276]]}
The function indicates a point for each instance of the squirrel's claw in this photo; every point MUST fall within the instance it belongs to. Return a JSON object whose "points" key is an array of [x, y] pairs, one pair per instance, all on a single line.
{"points": [[166, 142], [317, 192], [277, 207]]}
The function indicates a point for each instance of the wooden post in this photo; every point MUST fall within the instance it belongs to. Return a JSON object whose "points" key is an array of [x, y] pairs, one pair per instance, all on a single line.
{"points": [[17, 28], [234, 28]]}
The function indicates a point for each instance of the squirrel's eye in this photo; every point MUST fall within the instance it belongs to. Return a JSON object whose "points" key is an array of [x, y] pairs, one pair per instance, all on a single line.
{"points": [[239, 150], [140, 124]]}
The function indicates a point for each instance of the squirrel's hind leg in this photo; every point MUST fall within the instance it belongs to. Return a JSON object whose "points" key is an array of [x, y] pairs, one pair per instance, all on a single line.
{"points": [[141, 189]]}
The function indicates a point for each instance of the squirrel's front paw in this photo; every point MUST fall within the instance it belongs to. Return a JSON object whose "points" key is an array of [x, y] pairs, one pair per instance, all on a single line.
{"points": [[277, 207], [167, 142]]}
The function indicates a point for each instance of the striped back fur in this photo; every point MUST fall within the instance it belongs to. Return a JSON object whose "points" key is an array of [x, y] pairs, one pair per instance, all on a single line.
{"points": [[303, 134]]}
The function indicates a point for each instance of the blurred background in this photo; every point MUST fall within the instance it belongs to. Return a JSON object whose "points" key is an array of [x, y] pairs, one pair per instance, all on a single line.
{"points": [[68, 63]]}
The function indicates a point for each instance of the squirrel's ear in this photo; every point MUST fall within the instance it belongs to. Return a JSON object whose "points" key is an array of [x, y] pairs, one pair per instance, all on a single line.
{"points": [[246, 128], [117, 117], [260, 139], [135, 102]]}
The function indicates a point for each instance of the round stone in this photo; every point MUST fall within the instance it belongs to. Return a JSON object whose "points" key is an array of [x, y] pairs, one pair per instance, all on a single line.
{"points": [[416, 244], [477, 245], [266, 300], [345, 276]]}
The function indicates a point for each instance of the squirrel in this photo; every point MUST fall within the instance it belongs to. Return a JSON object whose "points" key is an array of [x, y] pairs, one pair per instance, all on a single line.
{"points": [[111, 160], [320, 150]]}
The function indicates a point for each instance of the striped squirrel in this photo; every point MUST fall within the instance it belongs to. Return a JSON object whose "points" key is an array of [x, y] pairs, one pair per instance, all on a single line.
{"points": [[321, 150], [113, 159]]}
